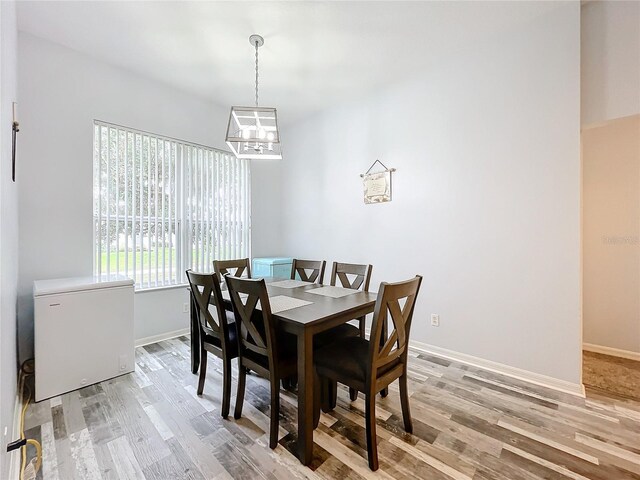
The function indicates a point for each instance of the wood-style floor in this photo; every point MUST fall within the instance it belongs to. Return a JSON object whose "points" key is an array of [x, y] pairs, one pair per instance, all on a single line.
{"points": [[468, 424]]}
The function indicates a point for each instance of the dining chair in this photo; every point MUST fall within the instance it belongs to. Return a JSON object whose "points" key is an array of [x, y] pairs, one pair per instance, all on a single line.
{"points": [[218, 334], [361, 273], [360, 278], [371, 365], [222, 267], [300, 267], [238, 266], [261, 348]]}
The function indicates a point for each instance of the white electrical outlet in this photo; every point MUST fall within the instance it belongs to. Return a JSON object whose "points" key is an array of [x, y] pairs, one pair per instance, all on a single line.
{"points": [[435, 320], [185, 308]]}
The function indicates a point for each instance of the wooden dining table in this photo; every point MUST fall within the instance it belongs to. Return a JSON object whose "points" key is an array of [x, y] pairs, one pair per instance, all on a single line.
{"points": [[304, 322]]}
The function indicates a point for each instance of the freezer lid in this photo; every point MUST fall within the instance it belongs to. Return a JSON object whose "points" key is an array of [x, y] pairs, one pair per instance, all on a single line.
{"points": [[79, 284], [273, 261]]}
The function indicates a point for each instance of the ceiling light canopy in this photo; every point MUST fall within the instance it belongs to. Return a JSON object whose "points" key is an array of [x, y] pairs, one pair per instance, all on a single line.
{"points": [[252, 132]]}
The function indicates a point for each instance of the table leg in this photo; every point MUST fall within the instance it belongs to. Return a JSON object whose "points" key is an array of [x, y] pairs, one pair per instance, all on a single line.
{"points": [[305, 397], [195, 336], [362, 325]]}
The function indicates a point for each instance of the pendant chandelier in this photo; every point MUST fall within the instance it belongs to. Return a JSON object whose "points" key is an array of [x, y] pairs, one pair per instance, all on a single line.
{"points": [[252, 132]]}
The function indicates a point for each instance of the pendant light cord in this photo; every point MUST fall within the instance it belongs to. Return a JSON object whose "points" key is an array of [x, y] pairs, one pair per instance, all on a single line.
{"points": [[256, 73]]}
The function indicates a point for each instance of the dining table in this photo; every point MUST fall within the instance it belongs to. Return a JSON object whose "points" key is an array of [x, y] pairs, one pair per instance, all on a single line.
{"points": [[322, 310]]}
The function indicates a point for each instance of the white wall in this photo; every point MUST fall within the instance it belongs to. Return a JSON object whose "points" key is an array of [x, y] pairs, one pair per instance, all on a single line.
{"points": [[610, 60], [266, 224], [8, 231], [611, 234], [486, 197], [63, 92]]}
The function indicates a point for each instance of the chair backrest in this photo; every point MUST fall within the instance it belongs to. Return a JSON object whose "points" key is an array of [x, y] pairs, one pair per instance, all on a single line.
{"points": [[394, 346], [222, 267], [301, 266], [203, 287], [256, 331], [362, 274]]}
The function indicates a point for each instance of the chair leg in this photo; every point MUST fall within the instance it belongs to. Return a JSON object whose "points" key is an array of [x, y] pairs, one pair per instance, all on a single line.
{"points": [[275, 414], [404, 403], [203, 370], [332, 394], [289, 383], [293, 382], [370, 420], [318, 386], [353, 394], [242, 374], [226, 386], [328, 397]]}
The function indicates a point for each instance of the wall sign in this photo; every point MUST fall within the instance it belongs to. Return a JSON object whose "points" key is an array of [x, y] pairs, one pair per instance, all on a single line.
{"points": [[377, 184]]}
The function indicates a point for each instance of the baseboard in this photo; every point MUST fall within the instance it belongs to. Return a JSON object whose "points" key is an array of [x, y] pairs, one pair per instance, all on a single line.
{"points": [[496, 367], [616, 352], [576, 389], [141, 342]]}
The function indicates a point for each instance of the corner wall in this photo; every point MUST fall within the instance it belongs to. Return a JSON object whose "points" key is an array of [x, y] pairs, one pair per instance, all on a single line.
{"points": [[8, 233], [486, 197]]}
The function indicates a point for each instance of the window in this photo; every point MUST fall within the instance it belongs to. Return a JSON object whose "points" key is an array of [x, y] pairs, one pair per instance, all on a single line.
{"points": [[161, 206]]}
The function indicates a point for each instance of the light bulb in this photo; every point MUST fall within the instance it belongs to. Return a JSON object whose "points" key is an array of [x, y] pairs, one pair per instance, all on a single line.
{"points": [[270, 147], [261, 133], [246, 134], [270, 136]]}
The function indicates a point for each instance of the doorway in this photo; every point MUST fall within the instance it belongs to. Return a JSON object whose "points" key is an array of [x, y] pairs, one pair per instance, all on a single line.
{"points": [[611, 256]]}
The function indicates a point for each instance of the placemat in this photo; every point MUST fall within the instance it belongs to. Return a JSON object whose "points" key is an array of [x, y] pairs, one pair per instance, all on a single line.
{"points": [[280, 303], [290, 283], [333, 292]]}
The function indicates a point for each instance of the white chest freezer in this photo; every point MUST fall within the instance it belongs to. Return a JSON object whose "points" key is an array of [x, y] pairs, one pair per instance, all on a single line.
{"points": [[83, 330]]}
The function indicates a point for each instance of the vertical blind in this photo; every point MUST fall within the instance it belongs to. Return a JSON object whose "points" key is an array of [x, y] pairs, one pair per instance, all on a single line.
{"points": [[163, 205]]}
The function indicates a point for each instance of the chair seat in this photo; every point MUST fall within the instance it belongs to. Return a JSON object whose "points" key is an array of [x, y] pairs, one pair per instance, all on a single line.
{"points": [[211, 338], [287, 356], [336, 333], [346, 358]]}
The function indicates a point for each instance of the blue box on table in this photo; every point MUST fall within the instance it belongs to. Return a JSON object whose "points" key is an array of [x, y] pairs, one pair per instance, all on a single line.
{"points": [[275, 267]]}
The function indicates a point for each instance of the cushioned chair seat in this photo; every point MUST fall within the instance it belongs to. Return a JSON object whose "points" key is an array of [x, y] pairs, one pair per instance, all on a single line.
{"points": [[230, 318], [209, 337], [287, 351], [348, 358], [336, 333]]}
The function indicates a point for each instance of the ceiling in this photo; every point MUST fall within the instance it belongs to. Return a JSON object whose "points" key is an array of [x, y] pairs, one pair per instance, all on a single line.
{"points": [[316, 53]]}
